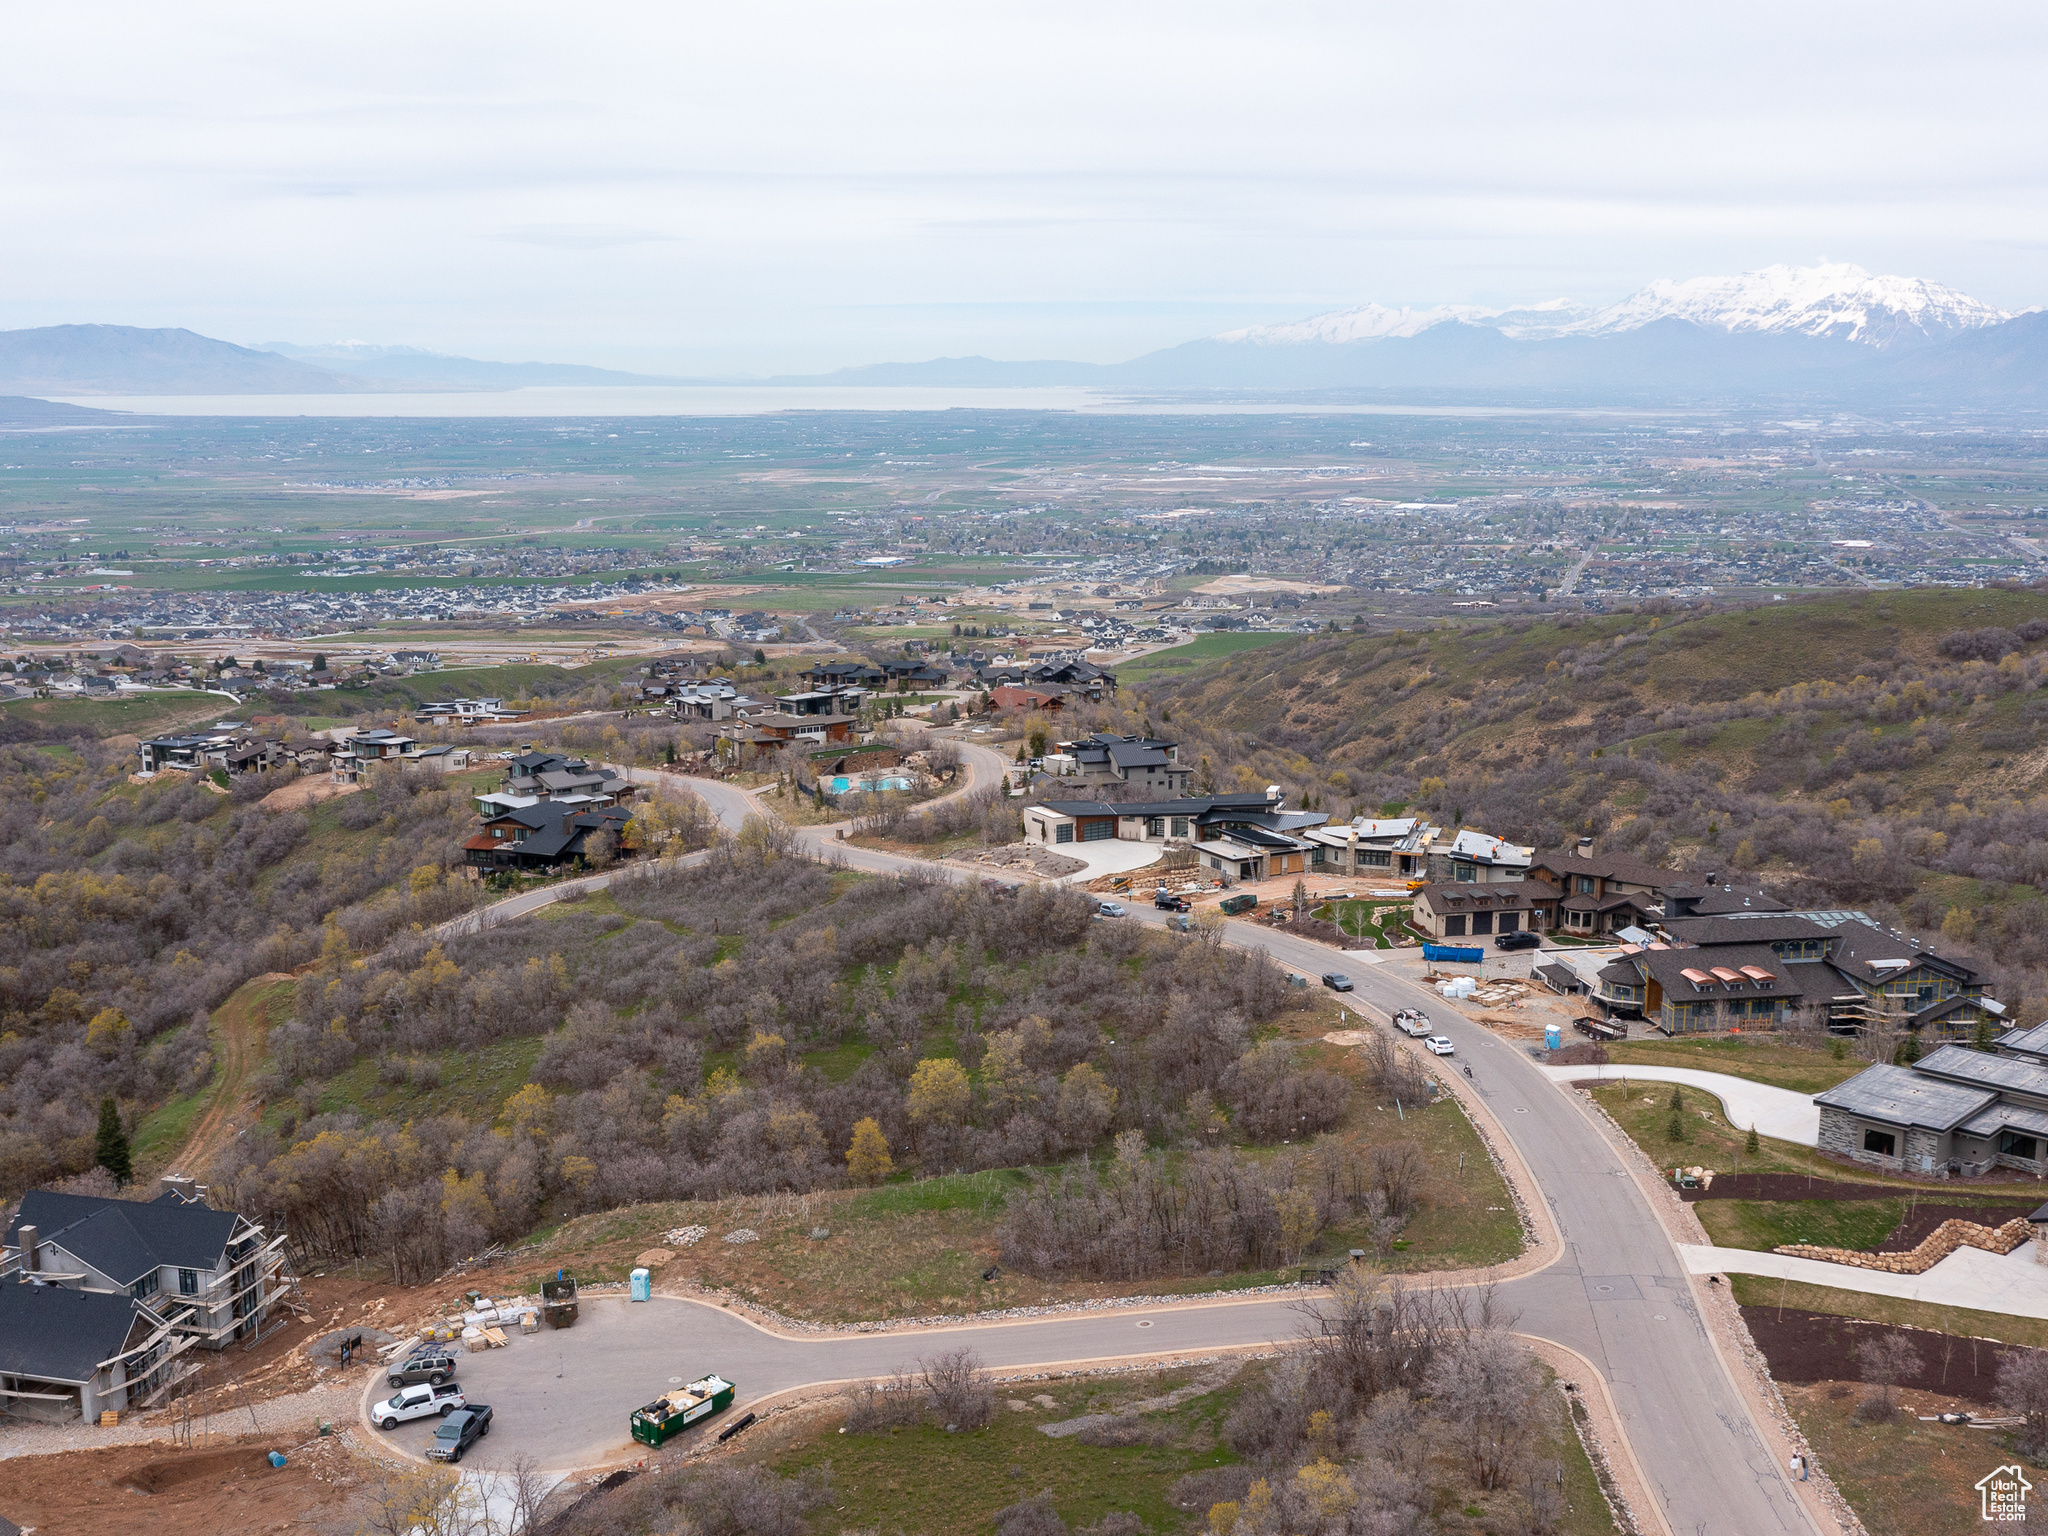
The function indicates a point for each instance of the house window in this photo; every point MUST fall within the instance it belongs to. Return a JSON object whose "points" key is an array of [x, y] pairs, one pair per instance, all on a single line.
{"points": [[1063, 833], [1155, 826], [188, 1282], [1883, 1143], [1454, 927], [1315, 855], [1376, 857], [2023, 1147], [1180, 826], [146, 1286], [1583, 884], [1464, 874]]}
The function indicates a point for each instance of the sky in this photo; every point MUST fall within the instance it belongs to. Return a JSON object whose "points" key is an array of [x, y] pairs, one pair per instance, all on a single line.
{"points": [[694, 188]]}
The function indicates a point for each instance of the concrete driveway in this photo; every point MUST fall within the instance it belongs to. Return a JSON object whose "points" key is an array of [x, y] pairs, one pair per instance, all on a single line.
{"points": [[1776, 1112]]}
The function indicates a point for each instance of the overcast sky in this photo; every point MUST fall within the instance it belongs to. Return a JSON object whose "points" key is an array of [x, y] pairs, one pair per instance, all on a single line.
{"points": [[759, 187]]}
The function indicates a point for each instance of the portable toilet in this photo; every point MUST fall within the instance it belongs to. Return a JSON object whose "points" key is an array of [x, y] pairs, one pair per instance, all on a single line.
{"points": [[640, 1290], [1553, 1036]]}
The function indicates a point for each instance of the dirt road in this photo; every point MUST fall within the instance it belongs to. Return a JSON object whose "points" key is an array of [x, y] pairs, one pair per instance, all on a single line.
{"points": [[240, 1025]]}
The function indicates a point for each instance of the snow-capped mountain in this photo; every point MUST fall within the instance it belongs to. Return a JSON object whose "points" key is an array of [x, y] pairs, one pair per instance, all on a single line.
{"points": [[1834, 300]]}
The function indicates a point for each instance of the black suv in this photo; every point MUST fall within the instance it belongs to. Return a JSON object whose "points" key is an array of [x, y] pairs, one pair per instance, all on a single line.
{"points": [[1521, 939], [434, 1365], [459, 1431]]}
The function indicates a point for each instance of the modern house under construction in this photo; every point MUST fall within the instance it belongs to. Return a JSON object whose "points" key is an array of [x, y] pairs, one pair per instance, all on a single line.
{"points": [[101, 1301]]}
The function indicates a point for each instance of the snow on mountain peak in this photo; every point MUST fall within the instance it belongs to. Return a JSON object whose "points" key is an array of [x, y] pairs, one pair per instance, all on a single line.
{"points": [[1832, 299]]}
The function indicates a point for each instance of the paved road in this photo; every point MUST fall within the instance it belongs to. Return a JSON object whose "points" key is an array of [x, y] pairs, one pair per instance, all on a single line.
{"points": [[1619, 1294]]}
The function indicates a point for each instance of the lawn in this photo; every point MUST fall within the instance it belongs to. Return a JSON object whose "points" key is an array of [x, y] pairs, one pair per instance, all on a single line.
{"points": [[1643, 1110], [1766, 1224], [1759, 1058], [1374, 920], [922, 1480], [1196, 652], [136, 715]]}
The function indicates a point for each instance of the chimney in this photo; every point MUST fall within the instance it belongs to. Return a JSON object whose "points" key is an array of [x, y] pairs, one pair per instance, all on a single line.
{"points": [[177, 1184], [26, 1237], [1713, 877], [1585, 847]]}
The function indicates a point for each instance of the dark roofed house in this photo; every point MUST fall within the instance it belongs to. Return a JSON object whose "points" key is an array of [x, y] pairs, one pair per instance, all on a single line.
{"points": [[1144, 762], [543, 836], [1599, 892], [1457, 910], [1954, 1110], [128, 1286]]}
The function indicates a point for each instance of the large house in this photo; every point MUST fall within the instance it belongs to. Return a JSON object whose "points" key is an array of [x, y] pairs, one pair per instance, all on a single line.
{"points": [[1142, 762], [551, 776], [1600, 892], [1755, 968], [356, 754], [1451, 911], [1474, 857], [225, 746], [1382, 847], [1241, 837], [1954, 1110], [101, 1299], [543, 836], [846, 674], [470, 712]]}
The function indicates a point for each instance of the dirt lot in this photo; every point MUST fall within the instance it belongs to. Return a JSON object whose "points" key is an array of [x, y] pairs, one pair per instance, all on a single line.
{"points": [[1807, 1347], [129, 1488], [301, 793]]}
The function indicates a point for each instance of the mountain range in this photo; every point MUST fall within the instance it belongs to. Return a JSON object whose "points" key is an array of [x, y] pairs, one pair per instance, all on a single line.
{"points": [[1830, 329]]}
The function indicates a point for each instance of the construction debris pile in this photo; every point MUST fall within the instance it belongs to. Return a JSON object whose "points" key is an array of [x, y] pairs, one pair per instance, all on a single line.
{"points": [[1040, 861], [684, 1237], [484, 1325]]}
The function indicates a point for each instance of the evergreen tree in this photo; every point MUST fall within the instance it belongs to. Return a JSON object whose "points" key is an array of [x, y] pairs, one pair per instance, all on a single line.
{"points": [[1752, 1146], [1981, 1039], [110, 1148]]}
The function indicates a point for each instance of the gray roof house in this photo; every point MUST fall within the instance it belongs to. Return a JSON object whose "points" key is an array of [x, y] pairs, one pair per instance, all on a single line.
{"points": [[131, 1284], [1955, 1110]]}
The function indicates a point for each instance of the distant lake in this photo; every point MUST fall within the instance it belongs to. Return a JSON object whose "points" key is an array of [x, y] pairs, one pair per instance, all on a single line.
{"points": [[760, 400]]}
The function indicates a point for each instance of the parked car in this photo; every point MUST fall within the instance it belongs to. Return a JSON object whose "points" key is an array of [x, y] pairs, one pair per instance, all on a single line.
{"points": [[1166, 901], [1111, 909], [1336, 981], [432, 1365], [1440, 1045], [1413, 1023], [1520, 939], [459, 1431], [417, 1403]]}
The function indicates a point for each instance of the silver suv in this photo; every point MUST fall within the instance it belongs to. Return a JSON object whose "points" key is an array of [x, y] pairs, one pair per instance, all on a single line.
{"points": [[431, 1365]]}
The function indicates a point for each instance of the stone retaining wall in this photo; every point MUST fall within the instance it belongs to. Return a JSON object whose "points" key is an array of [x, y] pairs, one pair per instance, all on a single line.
{"points": [[1938, 1245]]}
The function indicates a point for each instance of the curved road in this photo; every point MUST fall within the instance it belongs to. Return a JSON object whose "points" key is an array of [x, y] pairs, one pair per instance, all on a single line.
{"points": [[1618, 1292]]}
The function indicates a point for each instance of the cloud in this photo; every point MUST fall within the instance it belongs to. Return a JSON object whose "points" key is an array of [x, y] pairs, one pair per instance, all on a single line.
{"points": [[583, 237]]}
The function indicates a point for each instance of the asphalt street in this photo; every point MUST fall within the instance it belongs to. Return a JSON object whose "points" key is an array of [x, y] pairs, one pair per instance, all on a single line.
{"points": [[1618, 1294]]}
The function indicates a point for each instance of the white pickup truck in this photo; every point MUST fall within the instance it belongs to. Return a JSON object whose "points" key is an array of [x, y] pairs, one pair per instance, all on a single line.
{"points": [[418, 1402], [1414, 1023]]}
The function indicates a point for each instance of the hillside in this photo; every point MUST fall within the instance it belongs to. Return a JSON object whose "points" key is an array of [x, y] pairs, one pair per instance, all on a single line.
{"points": [[1885, 747], [129, 360]]}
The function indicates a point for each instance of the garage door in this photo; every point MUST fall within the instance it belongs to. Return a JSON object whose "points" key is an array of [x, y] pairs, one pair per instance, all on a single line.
{"points": [[1098, 831]]}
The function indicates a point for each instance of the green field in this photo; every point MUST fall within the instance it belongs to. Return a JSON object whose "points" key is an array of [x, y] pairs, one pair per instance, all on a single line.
{"points": [[1195, 653], [142, 715]]}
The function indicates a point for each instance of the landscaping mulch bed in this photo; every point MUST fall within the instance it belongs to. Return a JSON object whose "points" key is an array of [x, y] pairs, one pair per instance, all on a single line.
{"points": [[1921, 1221], [1805, 1347], [1581, 1054], [1788, 1186]]}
